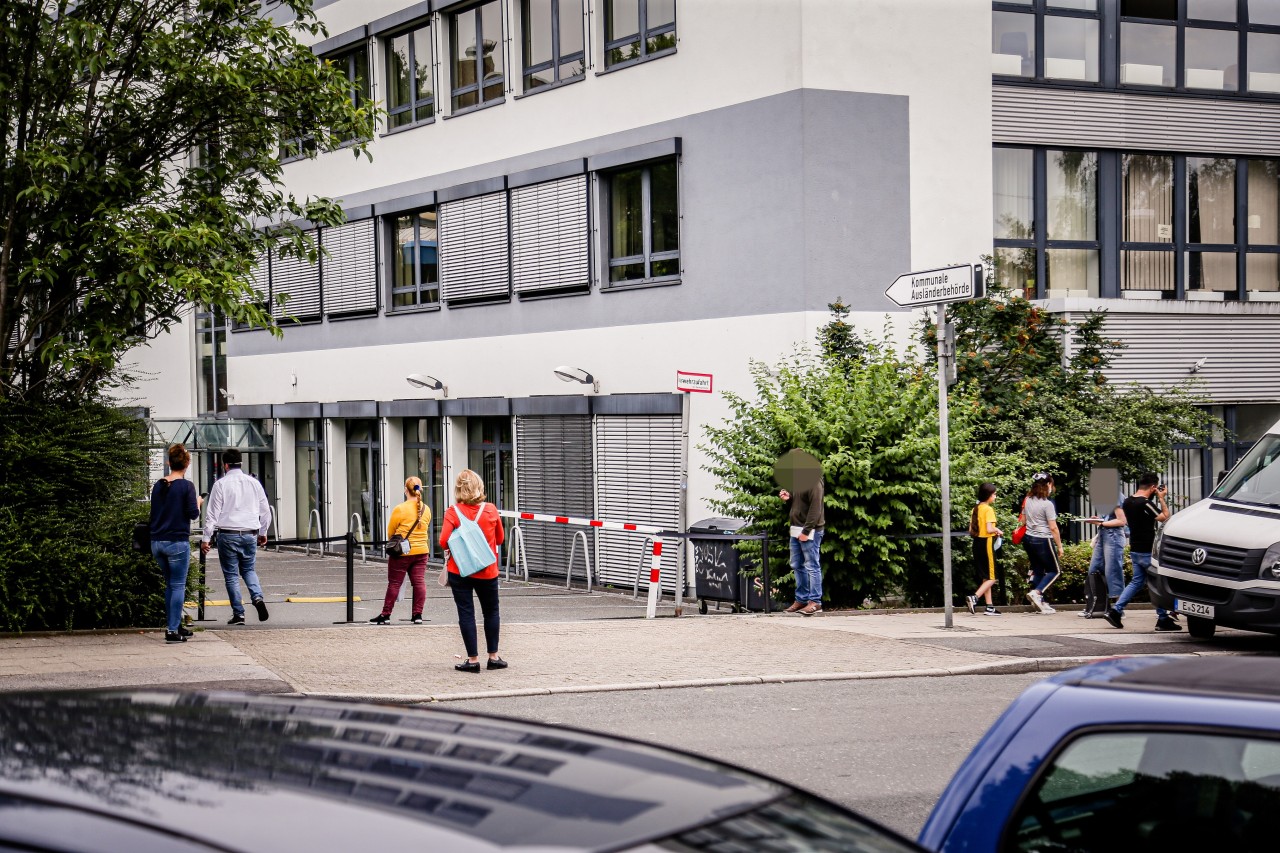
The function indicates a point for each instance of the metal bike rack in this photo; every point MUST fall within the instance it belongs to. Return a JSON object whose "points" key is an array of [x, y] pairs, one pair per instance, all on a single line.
{"points": [[516, 554], [355, 516], [644, 553], [586, 557], [315, 513]]}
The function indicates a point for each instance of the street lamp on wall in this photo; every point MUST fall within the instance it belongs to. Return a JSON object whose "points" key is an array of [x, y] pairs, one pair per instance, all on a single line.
{"points": [[419, 380], [577, 374]]}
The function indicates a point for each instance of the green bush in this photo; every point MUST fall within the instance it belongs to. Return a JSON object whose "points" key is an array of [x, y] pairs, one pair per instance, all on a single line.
{"points": [[72, 485]]}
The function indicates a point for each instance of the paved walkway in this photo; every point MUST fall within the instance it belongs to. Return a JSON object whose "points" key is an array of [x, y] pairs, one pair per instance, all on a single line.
{"points": [[408, 663]]}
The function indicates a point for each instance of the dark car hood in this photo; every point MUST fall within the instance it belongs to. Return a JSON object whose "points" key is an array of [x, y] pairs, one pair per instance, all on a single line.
{"points": [[245, 772]]}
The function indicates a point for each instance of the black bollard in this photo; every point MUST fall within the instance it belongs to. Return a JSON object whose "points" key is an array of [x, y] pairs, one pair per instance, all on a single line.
{"points": [[351, 576], [764, 565]]}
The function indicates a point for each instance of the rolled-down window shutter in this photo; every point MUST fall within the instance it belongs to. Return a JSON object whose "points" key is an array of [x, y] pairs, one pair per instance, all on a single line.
{"points": [[554, 477], [350, 267], [300, 279], [260, 282], [474, 248], [549, 235]]}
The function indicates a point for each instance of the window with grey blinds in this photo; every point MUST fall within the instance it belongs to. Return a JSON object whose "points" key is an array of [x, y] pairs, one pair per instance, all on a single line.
{"points": [[260, 282], [638, 477], [350, 267], [297, 278], [474, 237], [554, 476], [549, 235]]}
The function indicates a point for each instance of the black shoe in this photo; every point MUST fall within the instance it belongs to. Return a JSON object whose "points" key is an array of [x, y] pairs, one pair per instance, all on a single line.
{"points": [[174, 637], [1113, 617], [381, 619], [236, 619], [1167, 624], [496, 663], [183, 632], [416, 619], [467, 666], [262, 610]]}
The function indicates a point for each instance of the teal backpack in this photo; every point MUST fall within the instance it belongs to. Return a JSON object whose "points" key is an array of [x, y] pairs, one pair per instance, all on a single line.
{"points": [[468, 546]]}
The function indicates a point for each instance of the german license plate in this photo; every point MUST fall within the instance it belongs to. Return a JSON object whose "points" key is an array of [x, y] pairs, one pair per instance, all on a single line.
{"points": [[1193, 608]]}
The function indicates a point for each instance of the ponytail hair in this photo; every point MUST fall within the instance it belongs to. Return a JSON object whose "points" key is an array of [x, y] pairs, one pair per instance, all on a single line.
{"points": [[414, 487]]}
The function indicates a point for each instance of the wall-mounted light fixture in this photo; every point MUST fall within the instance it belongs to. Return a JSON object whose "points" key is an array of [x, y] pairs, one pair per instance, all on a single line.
{"points": [[577, 374], [419, 380]]}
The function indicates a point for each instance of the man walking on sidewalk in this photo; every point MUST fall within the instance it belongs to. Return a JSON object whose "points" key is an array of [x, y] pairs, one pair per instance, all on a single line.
{"points": [[1144, 510], [807, 528], [239, 512]]}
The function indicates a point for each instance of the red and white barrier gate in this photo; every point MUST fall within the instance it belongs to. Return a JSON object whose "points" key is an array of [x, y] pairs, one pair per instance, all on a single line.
{"points": [[655, 577]]}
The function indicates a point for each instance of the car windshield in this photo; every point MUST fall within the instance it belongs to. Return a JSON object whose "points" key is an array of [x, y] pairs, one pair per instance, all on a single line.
{"points": [[1256, 479]]}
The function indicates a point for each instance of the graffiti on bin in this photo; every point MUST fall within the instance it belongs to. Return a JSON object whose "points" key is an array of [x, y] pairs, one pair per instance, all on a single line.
{"points": [[711, 566]]}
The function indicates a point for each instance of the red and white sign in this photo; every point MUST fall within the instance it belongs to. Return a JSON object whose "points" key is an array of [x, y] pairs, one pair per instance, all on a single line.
{"points": [[699, 382]]}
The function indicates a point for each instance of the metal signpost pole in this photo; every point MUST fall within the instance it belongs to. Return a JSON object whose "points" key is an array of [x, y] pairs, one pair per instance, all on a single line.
{"points": [[944, 449]]}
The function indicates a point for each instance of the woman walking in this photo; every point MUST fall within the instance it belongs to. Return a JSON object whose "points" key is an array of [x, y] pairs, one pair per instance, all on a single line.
{"points": [[174, 505], [410, 520], [468, 492], [982, 527], [1042, 536], [1106, 566]]}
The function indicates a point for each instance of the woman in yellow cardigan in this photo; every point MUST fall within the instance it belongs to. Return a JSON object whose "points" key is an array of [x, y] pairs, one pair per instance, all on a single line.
{"points": [[411, 520]]}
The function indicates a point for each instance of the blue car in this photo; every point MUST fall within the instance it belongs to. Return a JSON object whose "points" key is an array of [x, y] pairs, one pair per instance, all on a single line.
{"points": [[1155, 754]]}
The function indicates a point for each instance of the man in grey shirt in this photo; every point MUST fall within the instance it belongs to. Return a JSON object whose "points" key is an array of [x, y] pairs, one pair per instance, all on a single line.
{"points": [[238, 510]]}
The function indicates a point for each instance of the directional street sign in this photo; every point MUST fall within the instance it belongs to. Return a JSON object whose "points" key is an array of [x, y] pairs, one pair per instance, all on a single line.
{"points": [[930, 287]]}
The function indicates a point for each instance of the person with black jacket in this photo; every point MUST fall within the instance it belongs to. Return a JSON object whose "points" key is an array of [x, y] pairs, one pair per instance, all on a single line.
{"points": [[174, 504], [808, 525]]}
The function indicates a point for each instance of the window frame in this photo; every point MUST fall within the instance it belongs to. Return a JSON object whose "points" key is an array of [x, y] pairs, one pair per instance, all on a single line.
{"points": [[647, 256], [212, 328], [431, 446], [478, 87], [393, 250], [1039, 10], [414, 104], [300, 148], [643, 34], [557, 59]]}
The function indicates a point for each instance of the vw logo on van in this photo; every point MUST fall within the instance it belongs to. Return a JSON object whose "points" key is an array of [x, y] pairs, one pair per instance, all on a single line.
{"points": [[1198, 556]]}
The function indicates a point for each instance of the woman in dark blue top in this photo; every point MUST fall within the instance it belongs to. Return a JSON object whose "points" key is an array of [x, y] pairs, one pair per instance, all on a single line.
{"points": [[174, 504]]}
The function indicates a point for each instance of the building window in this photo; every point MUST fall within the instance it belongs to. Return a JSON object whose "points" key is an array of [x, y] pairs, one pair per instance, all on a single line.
{"points": [[309, 478], [491, 454], [644, 223], [411, 95], [424, 459], [415, 269], [364, 485], [1046, 39], [635, 30], [1262, 228], [553, 41], [354, 65], [211, 345], [475, 45]]}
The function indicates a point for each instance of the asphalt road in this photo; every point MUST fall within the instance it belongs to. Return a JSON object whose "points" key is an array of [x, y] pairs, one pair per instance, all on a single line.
{"points": [[884, 748]]}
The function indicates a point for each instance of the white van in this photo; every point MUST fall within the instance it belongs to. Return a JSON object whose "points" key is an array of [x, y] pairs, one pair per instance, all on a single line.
{"points": [[1217, 562]]}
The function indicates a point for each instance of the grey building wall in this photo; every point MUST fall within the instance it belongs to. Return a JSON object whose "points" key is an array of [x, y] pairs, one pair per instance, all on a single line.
{"points": [[787, 202]]}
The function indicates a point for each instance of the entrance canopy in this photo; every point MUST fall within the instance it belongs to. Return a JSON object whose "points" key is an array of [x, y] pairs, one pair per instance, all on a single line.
{"points": [[209, 434]]}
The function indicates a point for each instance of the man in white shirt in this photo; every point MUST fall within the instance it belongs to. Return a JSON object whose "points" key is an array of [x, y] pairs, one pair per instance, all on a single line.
{"points": [[238, 510]]}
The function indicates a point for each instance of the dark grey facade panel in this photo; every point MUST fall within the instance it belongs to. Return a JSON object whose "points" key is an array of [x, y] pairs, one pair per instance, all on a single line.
{"points": [[559, 404], [546, 173], [476, 407], [362, 211], [263, 410], [297, 410], [409, 409], [1131, 121], [350, 409], [338, 42], [637, 404], [405, 203], [472, 188], [634, 154], [405, 16]]}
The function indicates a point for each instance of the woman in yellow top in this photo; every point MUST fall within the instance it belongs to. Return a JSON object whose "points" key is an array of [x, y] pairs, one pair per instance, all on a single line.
{"points": [[982, 527], [412, 521]]}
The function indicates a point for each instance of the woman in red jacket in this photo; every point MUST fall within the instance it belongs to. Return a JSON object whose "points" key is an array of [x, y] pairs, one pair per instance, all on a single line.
{"points": [[468, 491]]}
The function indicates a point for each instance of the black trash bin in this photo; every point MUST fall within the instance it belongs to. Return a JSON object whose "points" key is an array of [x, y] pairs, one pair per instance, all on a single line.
{"points": [[718, 567]]}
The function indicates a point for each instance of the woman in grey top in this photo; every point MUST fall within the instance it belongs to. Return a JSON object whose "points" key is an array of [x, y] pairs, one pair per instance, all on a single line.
{"points": [[1041, 518]]}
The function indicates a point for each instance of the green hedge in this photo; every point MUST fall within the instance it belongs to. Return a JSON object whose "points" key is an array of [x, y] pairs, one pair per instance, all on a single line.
{"points": [[72, 485]]}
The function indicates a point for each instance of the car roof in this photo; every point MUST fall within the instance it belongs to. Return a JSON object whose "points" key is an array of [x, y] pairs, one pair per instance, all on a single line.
{"points": [[1237, 677], [291, 773]]}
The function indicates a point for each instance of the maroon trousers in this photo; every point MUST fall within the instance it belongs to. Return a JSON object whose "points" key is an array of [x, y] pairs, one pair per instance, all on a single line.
{"points": [[415, 566]]}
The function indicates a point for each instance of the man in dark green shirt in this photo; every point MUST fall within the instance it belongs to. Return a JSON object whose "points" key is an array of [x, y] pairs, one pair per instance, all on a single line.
{"points": [[807, 528]]}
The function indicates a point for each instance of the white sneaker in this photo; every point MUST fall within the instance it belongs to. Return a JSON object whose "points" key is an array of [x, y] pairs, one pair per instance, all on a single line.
{"points": [[1044, 608], [1037, 601]]}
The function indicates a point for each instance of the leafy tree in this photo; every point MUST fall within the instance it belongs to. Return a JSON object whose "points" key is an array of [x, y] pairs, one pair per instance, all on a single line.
{"points": [[838, 339], [110, 226]]}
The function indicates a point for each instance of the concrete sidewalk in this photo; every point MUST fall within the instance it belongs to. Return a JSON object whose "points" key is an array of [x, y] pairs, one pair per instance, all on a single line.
{"points": [[407, 663]]}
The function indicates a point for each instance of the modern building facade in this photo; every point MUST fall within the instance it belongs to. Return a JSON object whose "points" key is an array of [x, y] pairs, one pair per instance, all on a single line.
{"points": [[611, 192]]}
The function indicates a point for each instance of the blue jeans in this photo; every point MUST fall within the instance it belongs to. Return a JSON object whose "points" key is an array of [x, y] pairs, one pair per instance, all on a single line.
{"points": [[174, 559], [236, 554], [1108, 558], [804, 562], [1044, 563], [1141, 562]]}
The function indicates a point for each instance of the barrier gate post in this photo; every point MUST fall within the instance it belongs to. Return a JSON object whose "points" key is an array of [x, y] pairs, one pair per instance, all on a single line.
{"points": [[655, 579]]}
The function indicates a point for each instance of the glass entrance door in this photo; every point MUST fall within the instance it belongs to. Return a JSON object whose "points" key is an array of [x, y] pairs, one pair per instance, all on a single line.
{"points": [[363, 465], [491, 454]]}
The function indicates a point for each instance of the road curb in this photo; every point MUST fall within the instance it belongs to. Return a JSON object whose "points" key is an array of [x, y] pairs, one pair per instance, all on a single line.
{"points": [[1013, 666]]}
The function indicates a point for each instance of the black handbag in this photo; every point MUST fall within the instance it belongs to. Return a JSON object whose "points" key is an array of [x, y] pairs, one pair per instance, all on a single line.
{"points": [[141, 538], [397, 545]]}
